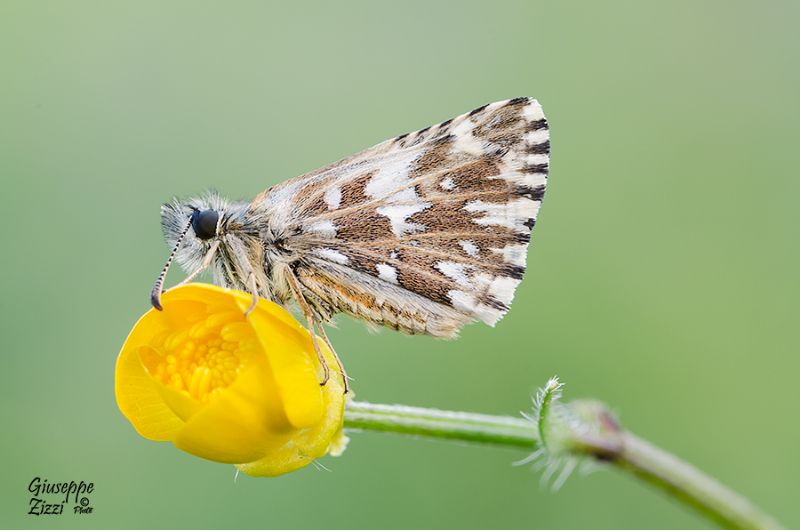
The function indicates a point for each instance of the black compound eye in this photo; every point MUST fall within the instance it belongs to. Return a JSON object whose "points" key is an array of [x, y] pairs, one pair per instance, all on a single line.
{"points": [[205, 223]]}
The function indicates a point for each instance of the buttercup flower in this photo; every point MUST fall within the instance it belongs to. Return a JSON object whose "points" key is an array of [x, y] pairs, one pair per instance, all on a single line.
{"points": [[228, 387]]}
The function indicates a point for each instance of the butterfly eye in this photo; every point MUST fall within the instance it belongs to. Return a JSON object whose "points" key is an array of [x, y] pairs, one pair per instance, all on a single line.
{"points": [[205, 223]]}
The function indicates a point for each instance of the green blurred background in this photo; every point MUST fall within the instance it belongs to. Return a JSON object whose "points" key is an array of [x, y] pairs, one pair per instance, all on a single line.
{"points": [[663, 276]]}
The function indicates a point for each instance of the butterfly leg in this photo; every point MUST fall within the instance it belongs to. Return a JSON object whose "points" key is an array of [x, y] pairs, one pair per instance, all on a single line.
{"points": [[251, 282], [204, 265], [294, 285], [345, 378]]}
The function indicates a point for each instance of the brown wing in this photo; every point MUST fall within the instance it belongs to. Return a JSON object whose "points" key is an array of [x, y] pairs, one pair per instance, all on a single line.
{"points": [[438, 220]]}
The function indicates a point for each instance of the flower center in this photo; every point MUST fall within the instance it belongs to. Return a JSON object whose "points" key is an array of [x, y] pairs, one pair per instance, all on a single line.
{"points": [[204, 359]]}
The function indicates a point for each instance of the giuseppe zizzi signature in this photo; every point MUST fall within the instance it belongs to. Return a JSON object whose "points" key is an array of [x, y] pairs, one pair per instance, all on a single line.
{"points": [[54, 498]]}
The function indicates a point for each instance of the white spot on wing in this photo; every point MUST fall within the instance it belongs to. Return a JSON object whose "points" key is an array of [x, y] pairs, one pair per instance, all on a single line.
{"points": [[533, 111], [455, 271], [464, 139], [538, 136], [386, 272], [333, 197], [536, 159], [323, 228], [398, 213], [392, 184], [466, 302], [502, 289], [470, 248], [512, 214], [534, 179], [513, 254], [462, 301], [392, 176], [404, 196], [332, 255], [447, 184], [468, 144]]}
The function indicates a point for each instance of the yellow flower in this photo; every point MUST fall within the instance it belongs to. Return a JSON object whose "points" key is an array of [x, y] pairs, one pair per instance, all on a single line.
{"points": [[228, 387]]}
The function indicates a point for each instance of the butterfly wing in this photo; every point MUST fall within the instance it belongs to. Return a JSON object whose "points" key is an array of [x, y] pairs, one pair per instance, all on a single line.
{"points": [[424, 232]]}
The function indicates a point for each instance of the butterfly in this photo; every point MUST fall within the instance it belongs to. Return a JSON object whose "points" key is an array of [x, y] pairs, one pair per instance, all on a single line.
{"points": [[422, 233]]}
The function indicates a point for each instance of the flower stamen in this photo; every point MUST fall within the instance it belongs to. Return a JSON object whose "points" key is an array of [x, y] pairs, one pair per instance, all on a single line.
{"points": [[203, 359]]}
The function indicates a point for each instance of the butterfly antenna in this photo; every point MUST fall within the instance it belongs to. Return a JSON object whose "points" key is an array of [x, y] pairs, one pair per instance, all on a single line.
{"points": [[158, 288]]}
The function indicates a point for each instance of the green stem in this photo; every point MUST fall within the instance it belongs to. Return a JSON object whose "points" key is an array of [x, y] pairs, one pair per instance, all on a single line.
{"points": [[690, 485], [432, 423], [623, 450]]}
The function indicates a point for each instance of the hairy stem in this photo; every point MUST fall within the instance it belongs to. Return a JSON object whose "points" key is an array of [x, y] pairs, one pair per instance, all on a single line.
{"points": [[433, 423], [621, 449]]}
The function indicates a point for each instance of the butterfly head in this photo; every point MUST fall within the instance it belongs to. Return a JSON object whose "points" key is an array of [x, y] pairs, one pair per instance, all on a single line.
{"points": [[193, 229]]}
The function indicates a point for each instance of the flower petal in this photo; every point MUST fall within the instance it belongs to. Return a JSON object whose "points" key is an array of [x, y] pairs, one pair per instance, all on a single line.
{"points": [[291, 354], [312, 442], [137, 396], [242, 423]]}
